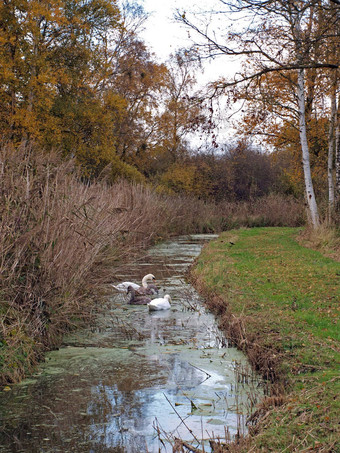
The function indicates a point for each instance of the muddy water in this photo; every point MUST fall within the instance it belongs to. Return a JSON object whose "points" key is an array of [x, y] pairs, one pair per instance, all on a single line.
{"points": [[136, 380]]}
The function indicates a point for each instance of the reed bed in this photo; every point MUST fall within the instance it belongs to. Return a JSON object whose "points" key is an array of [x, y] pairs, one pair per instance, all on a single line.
{"points": [[272, 210], [61, 239]]}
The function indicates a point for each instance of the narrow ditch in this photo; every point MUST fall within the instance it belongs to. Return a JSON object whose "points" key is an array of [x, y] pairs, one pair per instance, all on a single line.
{"points": [[137, 381]]}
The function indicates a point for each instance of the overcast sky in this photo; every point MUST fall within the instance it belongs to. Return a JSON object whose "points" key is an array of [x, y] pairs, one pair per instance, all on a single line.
{"points": [[163, 35]]}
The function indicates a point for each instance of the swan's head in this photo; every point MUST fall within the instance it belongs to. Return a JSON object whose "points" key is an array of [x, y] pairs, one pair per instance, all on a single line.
{"points": [[130, 289], [148, 278]]}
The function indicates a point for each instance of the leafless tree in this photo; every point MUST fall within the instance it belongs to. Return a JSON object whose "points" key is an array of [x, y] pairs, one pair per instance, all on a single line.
{"points": [[284, 36]]}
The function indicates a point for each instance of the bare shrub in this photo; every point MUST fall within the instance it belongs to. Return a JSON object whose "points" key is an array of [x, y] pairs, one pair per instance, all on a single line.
{"points": [[325, 238]]}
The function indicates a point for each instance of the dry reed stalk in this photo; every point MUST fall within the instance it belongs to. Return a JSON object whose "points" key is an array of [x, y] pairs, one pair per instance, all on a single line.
{"points": [[60, 239]]}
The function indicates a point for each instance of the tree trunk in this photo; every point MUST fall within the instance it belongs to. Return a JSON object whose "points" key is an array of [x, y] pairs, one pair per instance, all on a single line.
{"points": [[337, 159], [331, 149], [312, 206]]}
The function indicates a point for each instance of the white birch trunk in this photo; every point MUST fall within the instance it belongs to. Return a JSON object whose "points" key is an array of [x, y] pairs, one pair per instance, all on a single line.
{"points": [[337, 159], [312, 206], [331, 149]]}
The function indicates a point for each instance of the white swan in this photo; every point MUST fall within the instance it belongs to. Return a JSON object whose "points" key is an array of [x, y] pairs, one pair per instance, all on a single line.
{"points": [[161, 303], [122, 287]]}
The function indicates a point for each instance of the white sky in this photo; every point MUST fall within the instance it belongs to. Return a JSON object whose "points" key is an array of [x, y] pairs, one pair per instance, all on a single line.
{"points": [[164, 35]]}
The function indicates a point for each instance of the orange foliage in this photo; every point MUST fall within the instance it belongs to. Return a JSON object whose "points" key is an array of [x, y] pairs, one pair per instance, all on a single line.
{"points": [[186, 178]]}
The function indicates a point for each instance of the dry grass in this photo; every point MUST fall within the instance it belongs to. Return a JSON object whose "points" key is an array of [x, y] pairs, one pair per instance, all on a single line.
{"points": [[61, 239], [272, 210], [53, 229], [325, 239]]}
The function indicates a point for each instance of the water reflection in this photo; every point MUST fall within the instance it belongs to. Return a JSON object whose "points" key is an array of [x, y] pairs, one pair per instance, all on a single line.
{"points": [[137, 380]]}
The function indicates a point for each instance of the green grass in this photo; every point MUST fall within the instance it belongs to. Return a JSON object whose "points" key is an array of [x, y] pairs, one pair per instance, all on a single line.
{"points": [[288, 297]]}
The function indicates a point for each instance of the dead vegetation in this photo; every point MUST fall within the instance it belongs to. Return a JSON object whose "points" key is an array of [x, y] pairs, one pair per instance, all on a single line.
{"points": [[325, 239], [61, 240]]}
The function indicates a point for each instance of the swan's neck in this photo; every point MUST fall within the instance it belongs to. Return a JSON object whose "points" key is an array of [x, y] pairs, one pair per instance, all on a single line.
{"points": [[144, 283]]}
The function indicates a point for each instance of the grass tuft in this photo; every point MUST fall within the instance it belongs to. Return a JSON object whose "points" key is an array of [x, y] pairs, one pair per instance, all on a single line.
{"points": [[325, 238]]}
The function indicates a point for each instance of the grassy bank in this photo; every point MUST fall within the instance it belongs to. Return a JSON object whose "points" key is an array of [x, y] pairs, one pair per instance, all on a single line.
{"points": [[279, 302]]}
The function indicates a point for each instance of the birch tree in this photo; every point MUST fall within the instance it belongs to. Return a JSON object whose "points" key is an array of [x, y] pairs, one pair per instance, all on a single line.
{"points": [[337, 157], [332, 149], [282, 36]]}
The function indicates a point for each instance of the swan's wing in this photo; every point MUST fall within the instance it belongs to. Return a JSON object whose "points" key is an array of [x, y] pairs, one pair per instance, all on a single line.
{"points": [[152, 289], [140, 301], [141, 291], [124, 286], [159, 304], [149, 290], [152, 307]]}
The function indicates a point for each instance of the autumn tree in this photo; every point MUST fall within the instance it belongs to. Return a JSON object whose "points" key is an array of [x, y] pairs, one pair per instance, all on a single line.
{"points": [[140, 81], [55, 59], [285, 37], [44, 46], [271, 116], [76, 76], [182, 113]]}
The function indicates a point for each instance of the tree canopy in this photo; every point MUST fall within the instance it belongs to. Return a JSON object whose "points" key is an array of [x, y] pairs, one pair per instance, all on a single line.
{"points": [[77, 77]]}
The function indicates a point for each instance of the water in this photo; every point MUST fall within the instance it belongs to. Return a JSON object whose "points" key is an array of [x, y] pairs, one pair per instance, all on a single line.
{"points": [[136, 380]]}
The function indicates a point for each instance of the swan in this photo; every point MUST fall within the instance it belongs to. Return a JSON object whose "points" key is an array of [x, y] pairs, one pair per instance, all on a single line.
{"points": [[161, 303], [137, 299], [122, 287], [150, 289]]}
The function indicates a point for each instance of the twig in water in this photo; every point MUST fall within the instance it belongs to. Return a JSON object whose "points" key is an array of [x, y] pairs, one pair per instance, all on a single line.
{"points": [[187, 427], [54, 415], [199, 369], [157, 427]]}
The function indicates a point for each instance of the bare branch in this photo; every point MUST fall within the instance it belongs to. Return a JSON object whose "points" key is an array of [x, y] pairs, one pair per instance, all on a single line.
{"points": [[277, 69]]}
